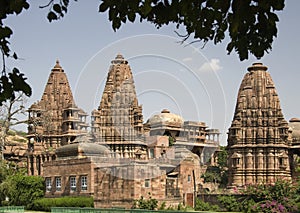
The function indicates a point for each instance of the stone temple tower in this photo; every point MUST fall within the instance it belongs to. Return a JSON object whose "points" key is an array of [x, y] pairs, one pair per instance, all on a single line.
{"points": [[118, 121], [53, 121], [258, 139]]}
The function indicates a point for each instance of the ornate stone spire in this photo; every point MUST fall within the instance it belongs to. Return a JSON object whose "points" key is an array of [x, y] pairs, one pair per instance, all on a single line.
{"points": [[119, 118], [55, 120], [258, 140], [57, 94]]}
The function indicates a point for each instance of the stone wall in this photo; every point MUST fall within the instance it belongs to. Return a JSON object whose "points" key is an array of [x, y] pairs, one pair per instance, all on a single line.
{"points": [[65, 168]]}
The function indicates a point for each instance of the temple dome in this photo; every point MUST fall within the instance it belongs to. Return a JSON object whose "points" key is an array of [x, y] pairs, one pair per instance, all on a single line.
{"points": [[294, 124], [83, 149], [166, 118]]}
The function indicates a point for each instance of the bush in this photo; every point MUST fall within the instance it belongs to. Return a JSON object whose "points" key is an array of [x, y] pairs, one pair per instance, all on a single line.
{"points": [[149, 204], [205, 206], [22, 190], [229, 202], [162, 206], [45, 204], [278, 197]]}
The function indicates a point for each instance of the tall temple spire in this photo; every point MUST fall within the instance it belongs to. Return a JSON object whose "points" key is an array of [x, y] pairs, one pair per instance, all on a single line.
{"points": [[57, 94], [55, 120], [258, 139], [119, 118]]}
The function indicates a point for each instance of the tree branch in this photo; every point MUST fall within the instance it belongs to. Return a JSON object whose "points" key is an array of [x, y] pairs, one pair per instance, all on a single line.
{"points": [[47, 5]]}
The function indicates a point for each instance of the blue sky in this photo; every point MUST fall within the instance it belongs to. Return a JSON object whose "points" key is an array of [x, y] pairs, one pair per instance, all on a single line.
{"points": [[198, 84]]}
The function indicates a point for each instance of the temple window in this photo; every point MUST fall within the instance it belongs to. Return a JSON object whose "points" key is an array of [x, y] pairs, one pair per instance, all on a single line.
{"points": [[58, 183], [84, 183], [283, 162], [147, 183], [73, 183], [236, 160], [151, 153], [48, 184], [189, 178], [233, 131], [280, 161]]}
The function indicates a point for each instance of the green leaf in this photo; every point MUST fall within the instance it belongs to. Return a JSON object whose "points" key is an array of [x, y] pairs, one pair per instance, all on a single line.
{"points": [[131, 16], [57, 8], [66, 2], [17, 6], [278, 4], [103, 7], [52, 16], [19, 82], [146, 8], [116, 24], [5, 32], [15, 56], [64, 9]]}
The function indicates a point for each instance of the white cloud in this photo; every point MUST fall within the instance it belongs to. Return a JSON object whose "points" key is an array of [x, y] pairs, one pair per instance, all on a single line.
{"points": [[212, 65], [187, 59]]}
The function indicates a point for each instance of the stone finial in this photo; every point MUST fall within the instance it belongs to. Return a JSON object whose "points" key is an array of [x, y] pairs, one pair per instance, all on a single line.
{"points": [[257, 66], [57, 65], [165, 111], [119, 60]]}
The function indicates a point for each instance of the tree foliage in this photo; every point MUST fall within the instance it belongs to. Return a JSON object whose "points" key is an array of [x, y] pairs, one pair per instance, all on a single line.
{"points": [[13, 81], [22, 190], [230, 203], [222, 157], [218, 174], [251, 25]]}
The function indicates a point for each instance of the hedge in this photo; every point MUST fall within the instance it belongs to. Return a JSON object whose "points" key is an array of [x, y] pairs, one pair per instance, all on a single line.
{"points": [[45, 204]]}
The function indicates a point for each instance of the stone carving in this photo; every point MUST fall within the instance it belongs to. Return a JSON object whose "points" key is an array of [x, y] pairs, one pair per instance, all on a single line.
{"points": [[55, 120], [119, 113], [264, 127]]}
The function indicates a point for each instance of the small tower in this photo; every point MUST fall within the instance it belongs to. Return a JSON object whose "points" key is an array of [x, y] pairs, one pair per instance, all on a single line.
{"points": [[118, 121], [55, 120], [258, 139]]}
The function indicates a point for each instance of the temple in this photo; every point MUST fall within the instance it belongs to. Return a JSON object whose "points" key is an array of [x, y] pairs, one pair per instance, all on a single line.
{"points": [[259, 139], [53, 121], [118, 121], [124, 158]]}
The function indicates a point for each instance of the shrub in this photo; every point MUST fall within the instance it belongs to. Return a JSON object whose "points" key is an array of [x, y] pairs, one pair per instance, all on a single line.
{"points": [[45, 204], [162, 206], [22, 190], [149, 204], [229, 202], [278, 197], [205, 206]]}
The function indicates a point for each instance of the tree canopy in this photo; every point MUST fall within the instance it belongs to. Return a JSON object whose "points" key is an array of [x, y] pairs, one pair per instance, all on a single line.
{"points": [[250, 25]]}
